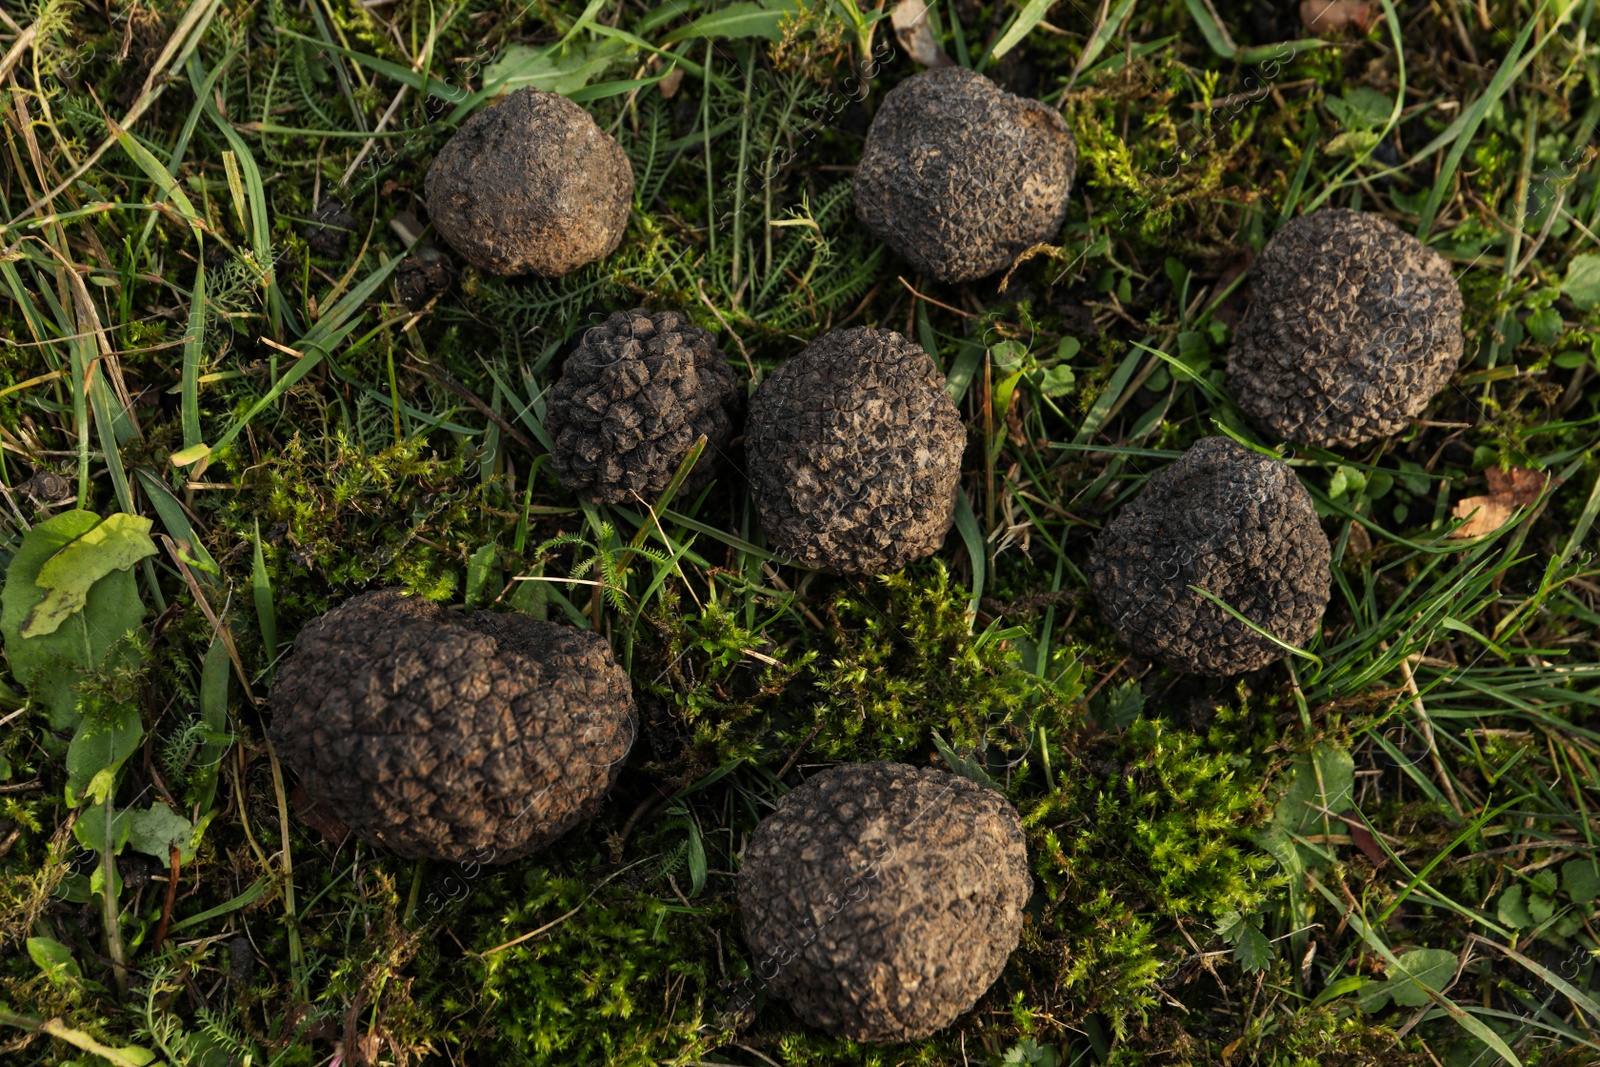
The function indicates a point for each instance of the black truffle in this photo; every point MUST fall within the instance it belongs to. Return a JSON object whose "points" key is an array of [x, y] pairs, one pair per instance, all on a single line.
{"points": [[1354, 327], [632, 400], [960, 177], [1233, 522], [854, 449], [881, 900], [456, 737], [531, 185]]}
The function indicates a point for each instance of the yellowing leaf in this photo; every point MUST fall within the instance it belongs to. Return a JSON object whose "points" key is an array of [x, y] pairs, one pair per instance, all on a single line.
{"points": [[66, 577], [50, 665]]}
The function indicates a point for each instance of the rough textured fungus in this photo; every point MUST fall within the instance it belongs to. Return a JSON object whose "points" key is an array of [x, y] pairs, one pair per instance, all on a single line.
{"points": [[960, 177], [456, 737], [1354, 327], [1233, 522], [854, 449], [531, 185], [632, 400], [882, 900]]}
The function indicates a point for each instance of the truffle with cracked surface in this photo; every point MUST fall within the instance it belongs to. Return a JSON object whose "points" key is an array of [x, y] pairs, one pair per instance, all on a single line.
{"points": [[456, 737], [1233, 522], [632, 400], [1353, 328], [882, 900], [531, 186], [854, 447], [961, 177]]}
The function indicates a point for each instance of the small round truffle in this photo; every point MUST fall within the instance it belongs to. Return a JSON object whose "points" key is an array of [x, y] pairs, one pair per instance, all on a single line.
{"points": [[1228, 520], [961, 177], [854, 448], [531, 186], [1354, 327], [632, 400], [881, 900], [455, 737]]}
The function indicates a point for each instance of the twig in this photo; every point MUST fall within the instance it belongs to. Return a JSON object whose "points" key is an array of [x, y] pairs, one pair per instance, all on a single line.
{"points": [[935, 303], [296, 954], [558, 920], [706, 300], [439, 376], [801, 747], [172, 897], [1425, 727]]}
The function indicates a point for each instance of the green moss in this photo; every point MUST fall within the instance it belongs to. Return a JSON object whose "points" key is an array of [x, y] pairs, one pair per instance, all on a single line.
{"points": [[1124, 852], [619, 977], [903, 662]]}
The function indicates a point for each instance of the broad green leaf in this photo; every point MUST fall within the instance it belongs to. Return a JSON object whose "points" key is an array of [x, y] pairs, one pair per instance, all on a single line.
{"points": [[966, 766], [51, 665], [214, 675], [1431, 967], [1214, 34], [1373, 996], [1057, 381], [1324, 779], [1511, 910], [1254, 951], [158, 829], [1030, 16], [741, 19], [1581, 879], [66, 577], [104, 739], [1582, 284], [90, 829], [55, 960], [479, 568], [1121, 705], [554, 70]]}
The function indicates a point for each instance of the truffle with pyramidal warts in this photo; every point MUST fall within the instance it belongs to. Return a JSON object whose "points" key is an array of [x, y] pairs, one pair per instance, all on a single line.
{"points": [[961, 177], [882, 900], [531, 186], [454, 737], [632, 400], [854, 448], [1234, 523], [1353, 328]]}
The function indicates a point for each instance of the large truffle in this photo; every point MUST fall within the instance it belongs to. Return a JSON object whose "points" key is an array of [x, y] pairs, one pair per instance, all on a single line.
{"points": [[632, 400], [854, 448], [531, 185], [961, 177], [1233, 522], [457, 737], [881, 900], [1354, 327]]}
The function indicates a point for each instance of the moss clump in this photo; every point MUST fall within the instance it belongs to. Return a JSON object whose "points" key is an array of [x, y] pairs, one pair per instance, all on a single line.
{"points": [[626, 979], [1163, 833], [905, 663]]}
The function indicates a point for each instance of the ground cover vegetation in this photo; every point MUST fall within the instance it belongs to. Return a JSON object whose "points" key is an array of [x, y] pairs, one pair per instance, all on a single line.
{"points": [[242, 380]]}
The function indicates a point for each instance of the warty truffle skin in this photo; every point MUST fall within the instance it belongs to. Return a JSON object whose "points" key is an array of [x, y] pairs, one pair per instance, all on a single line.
{"points": [[475, 737], [854, 448], [961, 177], [531, 186], [1354, 327], [632, 400], [1233, 522], [882, 900]]}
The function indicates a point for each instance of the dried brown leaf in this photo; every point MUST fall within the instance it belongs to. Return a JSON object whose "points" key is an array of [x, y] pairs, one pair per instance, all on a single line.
{"points": [[911, 29], [1331, 16], [1508, 491]]}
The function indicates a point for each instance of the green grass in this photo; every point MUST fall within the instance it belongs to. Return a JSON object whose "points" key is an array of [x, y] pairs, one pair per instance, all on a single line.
{"points": [[1380, 852]]}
